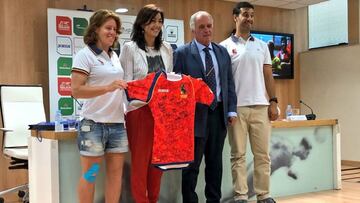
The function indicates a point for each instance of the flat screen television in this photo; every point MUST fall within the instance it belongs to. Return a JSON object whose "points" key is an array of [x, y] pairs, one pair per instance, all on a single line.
{"points": [[281, 47]]}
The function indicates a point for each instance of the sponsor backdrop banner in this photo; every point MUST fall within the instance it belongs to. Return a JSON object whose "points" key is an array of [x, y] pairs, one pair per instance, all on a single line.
{"points": [[65, 38]]}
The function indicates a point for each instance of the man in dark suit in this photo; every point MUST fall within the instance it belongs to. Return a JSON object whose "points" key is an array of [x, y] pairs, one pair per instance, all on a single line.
{"points": [[204, 59]]}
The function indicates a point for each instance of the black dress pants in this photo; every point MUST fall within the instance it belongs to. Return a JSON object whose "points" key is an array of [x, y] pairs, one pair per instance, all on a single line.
{"points": [[211, 146]]}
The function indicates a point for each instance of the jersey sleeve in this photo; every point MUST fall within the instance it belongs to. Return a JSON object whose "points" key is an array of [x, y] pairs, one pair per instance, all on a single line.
{"points": [[81, 63], [140, 89], [203, 93]]}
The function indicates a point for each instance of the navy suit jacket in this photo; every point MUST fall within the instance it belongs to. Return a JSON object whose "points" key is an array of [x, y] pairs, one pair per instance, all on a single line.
{"points": [[187, 60]]}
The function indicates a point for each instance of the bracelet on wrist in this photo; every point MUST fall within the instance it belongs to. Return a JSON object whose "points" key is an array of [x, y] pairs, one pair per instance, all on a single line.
{"points": [[273, 99]]}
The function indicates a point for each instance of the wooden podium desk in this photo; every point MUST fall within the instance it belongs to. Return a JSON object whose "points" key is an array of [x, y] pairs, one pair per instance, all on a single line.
{"points": [[299, 124], [54, 168], [48, 134], [305, 158], [320, 169]]}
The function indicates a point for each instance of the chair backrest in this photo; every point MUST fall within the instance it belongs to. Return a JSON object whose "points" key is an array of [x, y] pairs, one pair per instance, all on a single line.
{"points": [[21, 105]]}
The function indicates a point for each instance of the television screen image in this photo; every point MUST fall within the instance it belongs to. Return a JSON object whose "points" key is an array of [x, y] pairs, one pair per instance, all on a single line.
{"points": [[281, 52]]}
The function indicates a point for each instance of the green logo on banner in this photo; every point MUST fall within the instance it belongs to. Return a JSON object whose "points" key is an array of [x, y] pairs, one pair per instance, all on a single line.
{"points": [[66, 106], [64, 66], [80, 25]]}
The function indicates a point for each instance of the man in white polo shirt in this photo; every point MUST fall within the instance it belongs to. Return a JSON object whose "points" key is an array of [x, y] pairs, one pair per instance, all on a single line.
{"points": [[256, 105]]}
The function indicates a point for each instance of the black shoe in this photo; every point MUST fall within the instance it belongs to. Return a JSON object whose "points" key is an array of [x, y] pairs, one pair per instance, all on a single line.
{"points": [[241, 201], [267, 200]]}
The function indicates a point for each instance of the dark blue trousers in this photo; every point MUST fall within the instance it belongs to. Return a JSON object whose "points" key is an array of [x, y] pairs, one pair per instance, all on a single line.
{"points": [[210, 146]]}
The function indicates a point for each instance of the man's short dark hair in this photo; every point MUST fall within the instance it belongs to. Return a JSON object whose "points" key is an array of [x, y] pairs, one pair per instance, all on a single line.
{"points": [[243, 4]]}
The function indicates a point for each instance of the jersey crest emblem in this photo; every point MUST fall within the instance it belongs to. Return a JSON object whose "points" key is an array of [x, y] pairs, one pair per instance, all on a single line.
{"points": [[183, 92]]}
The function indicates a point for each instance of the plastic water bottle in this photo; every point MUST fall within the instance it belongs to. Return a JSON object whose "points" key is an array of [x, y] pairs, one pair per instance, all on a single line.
{"points": [[58, 122], [288, 112]]}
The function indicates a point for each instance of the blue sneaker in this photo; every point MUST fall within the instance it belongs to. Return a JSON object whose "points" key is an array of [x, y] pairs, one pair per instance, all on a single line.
{"points": [[241, 201], [267, 200]]}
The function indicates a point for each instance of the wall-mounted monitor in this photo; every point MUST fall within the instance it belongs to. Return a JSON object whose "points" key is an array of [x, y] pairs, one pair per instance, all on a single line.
{"points": [[281, 47]]}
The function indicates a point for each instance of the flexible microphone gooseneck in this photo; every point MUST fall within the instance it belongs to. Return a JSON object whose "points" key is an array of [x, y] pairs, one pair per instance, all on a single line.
{"points": [[311, 116]]}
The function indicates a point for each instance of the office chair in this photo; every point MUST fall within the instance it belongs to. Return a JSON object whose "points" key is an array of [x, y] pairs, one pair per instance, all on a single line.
{"points": [[21, 105]]}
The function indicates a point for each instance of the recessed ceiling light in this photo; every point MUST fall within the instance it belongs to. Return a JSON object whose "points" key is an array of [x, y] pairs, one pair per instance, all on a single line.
{"points": [[121, 10]]}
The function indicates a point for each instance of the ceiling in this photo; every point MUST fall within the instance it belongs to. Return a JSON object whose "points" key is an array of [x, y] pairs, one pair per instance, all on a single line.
{"points": [[287, 4]]}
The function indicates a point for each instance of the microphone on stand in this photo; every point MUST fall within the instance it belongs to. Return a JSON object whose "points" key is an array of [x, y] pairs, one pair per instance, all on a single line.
{"points": [[311, 116]]}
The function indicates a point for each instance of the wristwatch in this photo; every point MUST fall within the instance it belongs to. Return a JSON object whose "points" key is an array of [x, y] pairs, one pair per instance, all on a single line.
{"points": [[273, 99]]}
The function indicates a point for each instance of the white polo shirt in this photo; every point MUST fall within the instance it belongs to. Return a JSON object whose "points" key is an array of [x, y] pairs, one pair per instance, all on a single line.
{"points": [[101, 69], [247, 59]]}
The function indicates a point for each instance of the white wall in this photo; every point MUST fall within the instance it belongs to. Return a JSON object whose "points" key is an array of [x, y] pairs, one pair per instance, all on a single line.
{"points": [[330, 83]]}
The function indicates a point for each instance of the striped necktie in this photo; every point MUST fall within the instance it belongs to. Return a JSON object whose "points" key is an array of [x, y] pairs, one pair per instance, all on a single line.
{"points": [[210, 78]]}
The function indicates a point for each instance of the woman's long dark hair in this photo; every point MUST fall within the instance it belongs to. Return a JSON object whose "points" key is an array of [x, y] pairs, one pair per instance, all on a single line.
{"points": [[143, 18]]}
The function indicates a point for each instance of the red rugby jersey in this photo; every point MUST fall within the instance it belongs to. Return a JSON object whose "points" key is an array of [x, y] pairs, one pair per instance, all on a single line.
{"points": [[172, 104]]}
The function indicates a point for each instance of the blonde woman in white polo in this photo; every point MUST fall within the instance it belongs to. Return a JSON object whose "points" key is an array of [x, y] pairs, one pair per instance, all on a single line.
{"points": [[97, 77]]}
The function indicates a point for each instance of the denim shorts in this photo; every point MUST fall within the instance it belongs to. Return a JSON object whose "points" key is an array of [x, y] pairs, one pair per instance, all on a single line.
{"points": [[94, 139]]}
